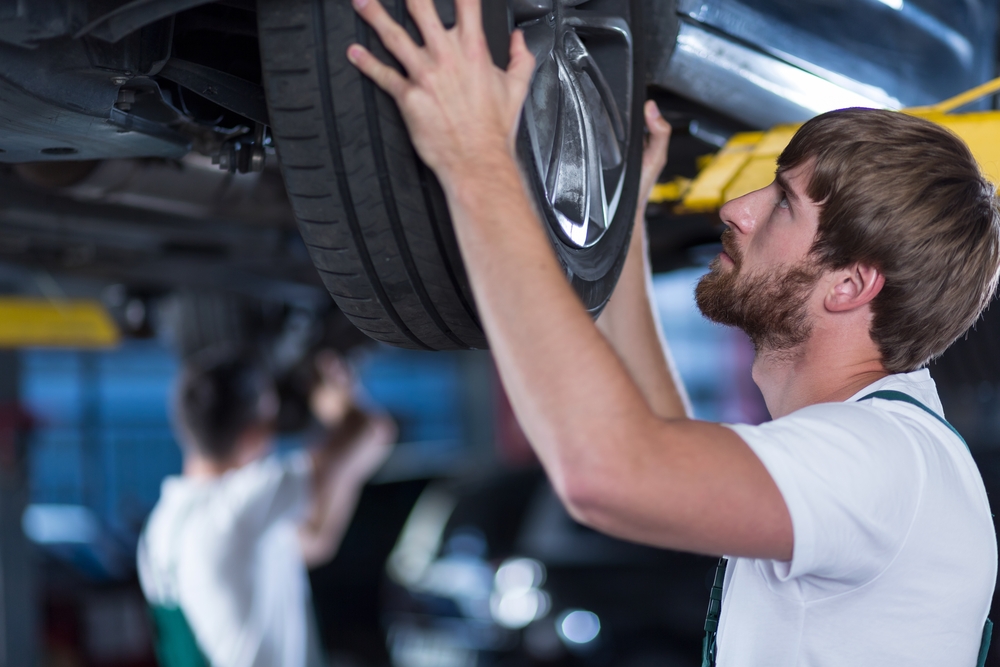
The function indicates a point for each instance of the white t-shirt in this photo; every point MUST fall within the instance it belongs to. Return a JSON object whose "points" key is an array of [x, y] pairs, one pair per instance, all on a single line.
{"points": [[226, 552], [895, 555]]}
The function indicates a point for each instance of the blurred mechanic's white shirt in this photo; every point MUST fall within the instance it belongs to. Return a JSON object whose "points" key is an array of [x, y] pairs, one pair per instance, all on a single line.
{"points": [[895, 554], [226, 552]]}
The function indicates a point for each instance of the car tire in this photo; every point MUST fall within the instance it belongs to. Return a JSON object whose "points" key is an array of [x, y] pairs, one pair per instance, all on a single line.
{"points": [[372, 214]]}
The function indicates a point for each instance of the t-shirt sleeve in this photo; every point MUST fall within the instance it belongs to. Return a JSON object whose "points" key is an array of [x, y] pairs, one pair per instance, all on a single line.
{"points": [[271, 489], [851, 478]]}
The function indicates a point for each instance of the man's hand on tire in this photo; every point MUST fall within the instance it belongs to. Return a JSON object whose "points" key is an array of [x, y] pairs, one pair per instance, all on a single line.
{"points": [[459, 107]]}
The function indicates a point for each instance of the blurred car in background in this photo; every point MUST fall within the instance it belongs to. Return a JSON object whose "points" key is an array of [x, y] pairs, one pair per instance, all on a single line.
{"points": [[494, 571]]}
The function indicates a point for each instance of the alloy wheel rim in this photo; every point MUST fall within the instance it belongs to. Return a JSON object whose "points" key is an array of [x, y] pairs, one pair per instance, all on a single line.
{"points": [[577, 114]]}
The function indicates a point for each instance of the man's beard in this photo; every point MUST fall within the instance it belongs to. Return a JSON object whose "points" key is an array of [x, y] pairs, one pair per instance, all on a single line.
{"points": [[771, 309]]}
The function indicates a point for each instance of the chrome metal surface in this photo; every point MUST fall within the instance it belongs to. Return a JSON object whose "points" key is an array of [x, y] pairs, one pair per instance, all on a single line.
{"points": [[578, 110], [753, 86], [914, 51]]}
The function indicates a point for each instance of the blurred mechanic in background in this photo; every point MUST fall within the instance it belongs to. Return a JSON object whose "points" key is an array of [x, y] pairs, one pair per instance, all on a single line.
{"points": [[223, 558]]}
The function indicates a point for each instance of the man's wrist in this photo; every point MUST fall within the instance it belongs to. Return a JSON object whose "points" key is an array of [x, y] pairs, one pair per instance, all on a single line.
{"points": [[465, 182]]}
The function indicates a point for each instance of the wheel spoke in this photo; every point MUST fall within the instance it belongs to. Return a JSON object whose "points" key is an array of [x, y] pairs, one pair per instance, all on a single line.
{"points": [[568, 179], [543, 108], [583, 61], [540, 39], [614, 28], [597, 212], [590, 22], [600, 102], [527, 10]]}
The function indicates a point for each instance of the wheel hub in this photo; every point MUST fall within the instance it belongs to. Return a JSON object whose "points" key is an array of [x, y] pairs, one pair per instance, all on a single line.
{"points": [[577, 114]]}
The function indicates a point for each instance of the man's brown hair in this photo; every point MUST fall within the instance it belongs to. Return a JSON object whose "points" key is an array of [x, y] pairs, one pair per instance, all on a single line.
{"points": [[904, 195]]}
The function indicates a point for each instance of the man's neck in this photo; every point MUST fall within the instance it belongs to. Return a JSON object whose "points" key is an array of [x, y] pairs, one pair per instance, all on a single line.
{"points": [[253, 444], [814, 374], [201, 467]]}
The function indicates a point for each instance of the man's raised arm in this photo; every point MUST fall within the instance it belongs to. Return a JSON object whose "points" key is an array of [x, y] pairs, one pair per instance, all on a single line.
{"points": [[355, 444], [629, 321], [618, 466]]}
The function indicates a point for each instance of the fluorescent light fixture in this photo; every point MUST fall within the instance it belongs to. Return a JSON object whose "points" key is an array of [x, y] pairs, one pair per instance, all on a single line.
{"points": [[60, 524]]}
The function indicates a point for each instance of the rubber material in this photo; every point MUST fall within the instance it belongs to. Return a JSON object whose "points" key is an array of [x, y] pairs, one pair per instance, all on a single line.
{"points": [[372, 215]]}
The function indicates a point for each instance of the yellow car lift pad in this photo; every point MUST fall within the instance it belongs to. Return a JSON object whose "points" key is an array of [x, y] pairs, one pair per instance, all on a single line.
{"points": [[75, 323], [748, 160]]}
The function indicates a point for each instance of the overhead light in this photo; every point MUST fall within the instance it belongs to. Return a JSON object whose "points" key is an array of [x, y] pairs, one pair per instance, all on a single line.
{"points": [[516, 600], [516, 609], [895, 4], [60, 524], [578, 627], [519, 574]]}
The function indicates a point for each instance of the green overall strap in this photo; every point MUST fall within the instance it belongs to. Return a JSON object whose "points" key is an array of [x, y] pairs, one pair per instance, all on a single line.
{"points": [[175, 643], [984, 646], [889, 395], [709, 648]]}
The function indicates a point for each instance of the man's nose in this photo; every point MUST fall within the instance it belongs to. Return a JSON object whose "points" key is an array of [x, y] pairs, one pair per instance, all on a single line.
{"points": [[742, 214]]}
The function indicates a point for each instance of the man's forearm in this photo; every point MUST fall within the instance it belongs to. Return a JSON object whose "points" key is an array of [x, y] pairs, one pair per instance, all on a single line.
{"points": [[632, 326], [619, 467], [569, 390], [336, 497], [616, 465], [342, 464]]}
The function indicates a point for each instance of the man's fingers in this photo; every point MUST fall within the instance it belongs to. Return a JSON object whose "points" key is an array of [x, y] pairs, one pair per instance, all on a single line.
{"points": [[659, 133], [521, 68], [384, 76], [426, 17], [396, 40], [657, 124], [469, 17], [654, 155]]}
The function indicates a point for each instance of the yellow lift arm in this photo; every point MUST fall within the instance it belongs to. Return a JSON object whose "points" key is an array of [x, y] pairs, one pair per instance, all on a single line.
{"points": [[73, 323], [748, 160]]}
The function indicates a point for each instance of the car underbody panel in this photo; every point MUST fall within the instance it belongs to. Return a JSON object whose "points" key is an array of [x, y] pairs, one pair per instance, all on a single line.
{"points": [[121, 82], [766, 62]]}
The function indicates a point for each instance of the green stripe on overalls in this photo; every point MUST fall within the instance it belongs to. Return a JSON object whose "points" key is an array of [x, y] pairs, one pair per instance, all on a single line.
{"points": [[709, 647], [174, 640], [175, 643]]}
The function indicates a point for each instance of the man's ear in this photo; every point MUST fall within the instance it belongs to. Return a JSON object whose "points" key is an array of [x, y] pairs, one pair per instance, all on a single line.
{"points": [[854, 287]]}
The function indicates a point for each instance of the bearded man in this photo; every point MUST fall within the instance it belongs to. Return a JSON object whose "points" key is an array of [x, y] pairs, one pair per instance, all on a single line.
{"points": [[856, 523]]}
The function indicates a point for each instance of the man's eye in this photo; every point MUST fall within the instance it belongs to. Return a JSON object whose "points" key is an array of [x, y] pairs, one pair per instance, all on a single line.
{"points": [[783, 202]]}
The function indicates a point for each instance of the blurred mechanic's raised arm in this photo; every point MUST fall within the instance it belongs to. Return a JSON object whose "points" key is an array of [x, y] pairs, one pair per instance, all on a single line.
{"points": [[629, 321], [355, 446]]}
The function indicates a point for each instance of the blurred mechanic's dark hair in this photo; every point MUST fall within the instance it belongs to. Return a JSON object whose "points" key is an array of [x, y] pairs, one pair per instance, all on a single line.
{"points": [[220, 394], [906, 196]]}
